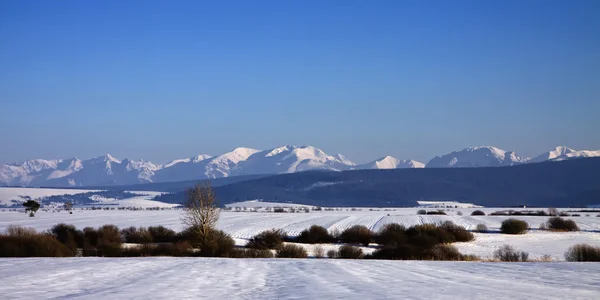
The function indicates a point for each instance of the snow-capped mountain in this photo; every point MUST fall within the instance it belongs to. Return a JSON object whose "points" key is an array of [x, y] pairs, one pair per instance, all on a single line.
{"points": [[563, 153], [485, 156], [107, 170], [389, 162]]}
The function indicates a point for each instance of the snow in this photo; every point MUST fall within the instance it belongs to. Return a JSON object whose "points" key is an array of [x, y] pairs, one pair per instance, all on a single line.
{"points": [[10, 193], [244, 225], [221, 278], [485, 156], [108, 170], [389, 162]]}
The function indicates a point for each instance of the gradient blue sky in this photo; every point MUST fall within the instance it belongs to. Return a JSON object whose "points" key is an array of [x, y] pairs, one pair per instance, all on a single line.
{"points": [[161, 80]]}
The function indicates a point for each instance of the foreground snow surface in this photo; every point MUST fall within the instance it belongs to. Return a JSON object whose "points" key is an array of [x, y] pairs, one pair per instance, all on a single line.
{"points": [[214, 278]]}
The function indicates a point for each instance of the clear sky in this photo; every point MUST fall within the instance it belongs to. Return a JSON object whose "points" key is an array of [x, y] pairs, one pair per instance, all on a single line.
{"points": [[161, 80]]}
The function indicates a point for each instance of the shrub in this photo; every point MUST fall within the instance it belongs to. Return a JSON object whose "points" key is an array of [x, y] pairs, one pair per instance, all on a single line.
{"points": [[291, 251], [477, 213], [268, 239], [250, 253], [136, 235], [357, 234], [560, 224], [412, 252], [15, 230], [391, 235], [460, 233], [68, 235], [481, 228], [507, 253], [91, 236], [514, 226], [314, 235], [108, 241], [32, 246], [216, 244], [333, 254], [318, 251], [459, 213], [583, 252], [436, 212], [350, 252], [109, 234], [421, 212], [161, 234]]}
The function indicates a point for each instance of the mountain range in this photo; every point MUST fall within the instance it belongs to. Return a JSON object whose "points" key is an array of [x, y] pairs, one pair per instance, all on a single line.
{"points": [[107, 170]]}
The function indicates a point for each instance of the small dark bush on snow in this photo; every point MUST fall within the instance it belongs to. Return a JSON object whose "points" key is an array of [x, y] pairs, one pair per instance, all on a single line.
{"points": [[421, 212], [333, 254], [507, 253], [460, 233], [481, 228], [314, 235], [15, 230], [68, 235], [268, 239], [136, 235], [560, 224], [350, 252], [436, 212], [161, 234], [250, 253], [291, 251], [391, 235], [477, 213], [33, 246], [514, 226], [357, 234], [217, 244], [583, 252]]}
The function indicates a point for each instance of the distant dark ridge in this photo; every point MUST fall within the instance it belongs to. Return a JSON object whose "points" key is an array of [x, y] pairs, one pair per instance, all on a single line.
{"points": [[567, 183]]}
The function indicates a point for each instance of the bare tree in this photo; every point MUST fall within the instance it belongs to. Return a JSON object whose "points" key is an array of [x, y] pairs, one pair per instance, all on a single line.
{"points": [[68, 206], [201, 210]]}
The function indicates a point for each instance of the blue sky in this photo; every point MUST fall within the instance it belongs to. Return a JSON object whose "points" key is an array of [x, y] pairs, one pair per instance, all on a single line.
{"points": [[413, 79]]}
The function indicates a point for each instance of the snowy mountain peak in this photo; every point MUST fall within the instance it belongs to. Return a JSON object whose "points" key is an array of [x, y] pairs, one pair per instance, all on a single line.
{"points": [[563, 153], [483, 156], [200, 157], [389, 162], [344, 160]]}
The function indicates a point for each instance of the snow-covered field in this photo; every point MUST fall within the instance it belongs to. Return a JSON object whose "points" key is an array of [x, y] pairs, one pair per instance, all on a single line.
{"points": [[244, 225], [214, 278], [11, 193], [143, 200]]}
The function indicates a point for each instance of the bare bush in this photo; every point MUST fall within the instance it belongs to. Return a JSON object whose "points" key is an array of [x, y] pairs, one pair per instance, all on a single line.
{"points": [[136, 235], [560, 224], [15, 230], [508, 254], [583, 252], [318, 251], [268, 239], [514, 226], [333, 254], [481, 228], [350, 252], [391, 235], [357, 234], [314, 235], [291, 251], [477, 213]]}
